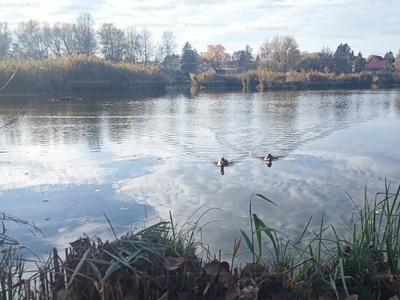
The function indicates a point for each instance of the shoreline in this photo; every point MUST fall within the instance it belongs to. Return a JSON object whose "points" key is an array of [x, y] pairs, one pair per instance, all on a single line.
{"points": [[94, 74], [184, 87]]}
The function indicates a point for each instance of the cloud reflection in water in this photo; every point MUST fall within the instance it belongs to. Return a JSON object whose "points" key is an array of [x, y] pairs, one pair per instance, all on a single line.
{"points": [[332, 143]]}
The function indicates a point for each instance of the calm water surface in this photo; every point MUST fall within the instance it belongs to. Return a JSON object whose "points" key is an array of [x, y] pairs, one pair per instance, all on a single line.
{"points": [[137, 158]]}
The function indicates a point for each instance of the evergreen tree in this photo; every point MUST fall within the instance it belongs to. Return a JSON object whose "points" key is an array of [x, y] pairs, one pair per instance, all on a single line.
{"points": [[390, 60], [245, 59], [325, 60], [342, 58], [360, 63], [189, 62], [249, 58]]}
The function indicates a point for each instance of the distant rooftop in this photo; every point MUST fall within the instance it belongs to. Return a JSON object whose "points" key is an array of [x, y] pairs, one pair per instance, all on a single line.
{"points": [[376, 65]]}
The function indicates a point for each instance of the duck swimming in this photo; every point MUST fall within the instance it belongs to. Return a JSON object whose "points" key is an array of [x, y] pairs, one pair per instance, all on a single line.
{"points": [[269, 157], [222, 163]]}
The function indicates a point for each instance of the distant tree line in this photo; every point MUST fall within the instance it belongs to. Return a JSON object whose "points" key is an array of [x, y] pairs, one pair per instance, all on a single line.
{"points": [[40, 40]]}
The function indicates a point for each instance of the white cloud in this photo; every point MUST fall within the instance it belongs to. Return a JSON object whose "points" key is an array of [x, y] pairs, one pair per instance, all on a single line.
{"points": [[313, 24], [37, 168]]}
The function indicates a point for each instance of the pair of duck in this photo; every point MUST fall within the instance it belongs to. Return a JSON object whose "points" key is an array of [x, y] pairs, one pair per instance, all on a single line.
{"points": [[223, 162]]}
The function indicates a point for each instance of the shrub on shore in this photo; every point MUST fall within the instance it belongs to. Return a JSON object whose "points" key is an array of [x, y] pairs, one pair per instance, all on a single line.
{"points": [[207, 80]]}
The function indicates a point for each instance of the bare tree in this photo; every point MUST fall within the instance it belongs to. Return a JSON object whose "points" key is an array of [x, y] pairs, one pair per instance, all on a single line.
{"points": [[85, 35], [32, 41], [55, 40], [134, 40], [113, 42], [147, 46], [69, 38], [281, 54], [167, 46], [265, 54], [47, 38], [5, 40]]}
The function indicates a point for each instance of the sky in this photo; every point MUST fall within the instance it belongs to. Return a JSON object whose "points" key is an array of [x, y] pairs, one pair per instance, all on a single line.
{"points": [[371, 27]]}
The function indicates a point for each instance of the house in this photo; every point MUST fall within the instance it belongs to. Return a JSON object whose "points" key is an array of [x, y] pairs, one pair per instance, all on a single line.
{"points": [[207, 68], [375, 65], [230, 68]]}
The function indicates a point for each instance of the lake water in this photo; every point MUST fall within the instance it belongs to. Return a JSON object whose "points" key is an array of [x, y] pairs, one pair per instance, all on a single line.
{"points": [[137, 158]]}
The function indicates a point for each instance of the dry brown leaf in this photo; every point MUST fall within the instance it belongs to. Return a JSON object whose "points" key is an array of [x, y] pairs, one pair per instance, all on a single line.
{"points": [[249, 269], [326, 296], [225, 278], [232, 293], [212, 268], [248, 293], [386, 276], [173, 263]]}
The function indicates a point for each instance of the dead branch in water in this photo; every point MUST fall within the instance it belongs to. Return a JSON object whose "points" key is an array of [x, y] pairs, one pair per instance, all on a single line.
{"points": [[9, 80]]}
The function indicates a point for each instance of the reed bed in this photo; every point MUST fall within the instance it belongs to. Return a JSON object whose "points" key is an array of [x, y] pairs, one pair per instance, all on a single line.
{"points": [[264, 79], [78, 73]]}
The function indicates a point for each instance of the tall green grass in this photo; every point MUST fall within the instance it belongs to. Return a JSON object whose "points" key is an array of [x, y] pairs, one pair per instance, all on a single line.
{"points": [[359, 257], [13, 265]]}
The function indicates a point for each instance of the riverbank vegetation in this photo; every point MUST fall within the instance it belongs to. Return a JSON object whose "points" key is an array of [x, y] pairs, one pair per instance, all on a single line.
{"points": [[264, 79], [78, 73], [80, 55], [348, 259]]}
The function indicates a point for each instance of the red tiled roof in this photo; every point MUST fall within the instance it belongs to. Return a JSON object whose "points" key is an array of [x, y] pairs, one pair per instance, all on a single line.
{"points": [[376, 65]]}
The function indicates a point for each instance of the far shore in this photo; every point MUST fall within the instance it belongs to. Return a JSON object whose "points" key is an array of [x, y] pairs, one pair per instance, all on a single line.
{"points": [[94, 74]]}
